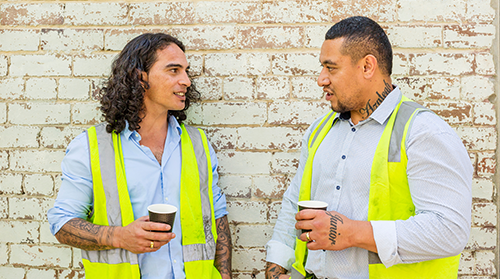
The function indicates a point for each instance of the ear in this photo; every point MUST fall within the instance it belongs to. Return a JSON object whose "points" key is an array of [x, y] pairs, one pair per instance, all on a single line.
{"points": [[370, 66], [143, 76]]}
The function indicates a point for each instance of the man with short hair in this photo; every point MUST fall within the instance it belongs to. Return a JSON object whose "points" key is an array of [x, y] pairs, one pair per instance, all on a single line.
{"points": [[396, 177], [144, 154]]}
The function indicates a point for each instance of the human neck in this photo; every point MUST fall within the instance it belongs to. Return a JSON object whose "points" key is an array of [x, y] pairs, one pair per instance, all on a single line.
{"points": [[374, 100], [153, 125], [153, 131]]}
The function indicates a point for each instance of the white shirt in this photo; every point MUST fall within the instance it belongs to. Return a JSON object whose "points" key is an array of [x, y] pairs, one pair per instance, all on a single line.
{"points": [[439, 175]]}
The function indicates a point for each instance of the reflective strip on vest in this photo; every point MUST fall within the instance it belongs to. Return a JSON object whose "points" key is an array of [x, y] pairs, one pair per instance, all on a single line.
{"points": [[298, 267], [390, 197], [403, 116], [107, 209], [203, 247], [112, 206], [199, 245]]}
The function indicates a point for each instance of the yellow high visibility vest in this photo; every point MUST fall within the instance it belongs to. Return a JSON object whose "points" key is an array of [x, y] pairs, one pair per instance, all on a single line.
{"points": [[389, 199], [199, 233]]}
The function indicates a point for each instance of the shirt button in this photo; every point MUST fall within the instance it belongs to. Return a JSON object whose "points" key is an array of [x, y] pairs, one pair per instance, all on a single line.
{"points": [[166, 199], [136, 135], [175, 261], [353, 129], [343, 156], [338, 187]]}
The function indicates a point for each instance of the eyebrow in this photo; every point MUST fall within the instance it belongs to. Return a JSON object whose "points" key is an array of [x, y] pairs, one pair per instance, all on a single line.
{"points": [[174, 66], [327, 62]]}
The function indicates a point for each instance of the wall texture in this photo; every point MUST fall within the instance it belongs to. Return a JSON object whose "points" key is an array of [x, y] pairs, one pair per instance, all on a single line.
{"points": [[256, 64]]}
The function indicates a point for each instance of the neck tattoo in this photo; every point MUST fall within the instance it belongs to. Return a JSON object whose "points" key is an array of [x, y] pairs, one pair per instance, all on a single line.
{"points": [[371, 107]]}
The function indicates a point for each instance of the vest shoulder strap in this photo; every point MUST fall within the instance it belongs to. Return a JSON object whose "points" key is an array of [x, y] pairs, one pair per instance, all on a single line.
{"points": [[196, 186], [107, 199], [402, 125], [318, 126]]}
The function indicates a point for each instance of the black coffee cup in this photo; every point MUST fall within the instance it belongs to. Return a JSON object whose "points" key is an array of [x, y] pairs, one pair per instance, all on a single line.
{"points": [[162, 213], [317, 205]]}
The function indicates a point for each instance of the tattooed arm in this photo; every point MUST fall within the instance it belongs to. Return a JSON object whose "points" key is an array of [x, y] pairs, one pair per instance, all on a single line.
{"points": [[223, 248], [85, 235], [275, 271], [136, 237]]}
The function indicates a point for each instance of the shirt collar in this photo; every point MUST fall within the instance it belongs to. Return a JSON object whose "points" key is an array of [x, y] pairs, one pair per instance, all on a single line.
{"points": [[173, 125], [126, 132], [383, 112]]}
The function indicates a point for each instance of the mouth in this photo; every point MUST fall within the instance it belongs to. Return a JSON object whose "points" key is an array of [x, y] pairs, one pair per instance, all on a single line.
{"points": [[180, 94], [328, 93]]}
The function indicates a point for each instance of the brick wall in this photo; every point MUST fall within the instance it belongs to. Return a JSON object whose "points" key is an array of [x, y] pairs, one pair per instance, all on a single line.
{"points": [[256, 63]]}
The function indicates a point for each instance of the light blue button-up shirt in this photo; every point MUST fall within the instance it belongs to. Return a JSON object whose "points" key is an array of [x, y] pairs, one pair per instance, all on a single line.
{"points": [[148, 183], [439, 175]]}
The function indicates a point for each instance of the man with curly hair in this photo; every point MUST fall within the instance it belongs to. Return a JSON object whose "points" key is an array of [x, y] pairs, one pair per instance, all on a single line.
{"points": [[144, 154]]}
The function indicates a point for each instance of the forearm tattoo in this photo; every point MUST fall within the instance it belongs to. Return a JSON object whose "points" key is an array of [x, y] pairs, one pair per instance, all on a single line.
{"points": [[273, 271], [371, 107], [223, 248], [82, 234], [334, 219]]}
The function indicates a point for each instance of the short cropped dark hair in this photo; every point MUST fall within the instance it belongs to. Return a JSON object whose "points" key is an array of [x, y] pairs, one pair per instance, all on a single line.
{"points": [[363, 36], [122, 96]]}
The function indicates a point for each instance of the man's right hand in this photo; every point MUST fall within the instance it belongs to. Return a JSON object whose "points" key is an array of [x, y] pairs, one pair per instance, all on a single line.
{"points": [[137, 236], [275, 271]]}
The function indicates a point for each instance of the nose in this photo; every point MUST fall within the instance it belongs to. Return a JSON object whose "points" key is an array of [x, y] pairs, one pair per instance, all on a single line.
{"points": [[323, 79], [184, 79]]}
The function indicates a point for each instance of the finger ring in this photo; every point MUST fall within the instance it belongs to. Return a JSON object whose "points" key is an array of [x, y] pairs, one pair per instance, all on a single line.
{"points": [[307, 236], [152, 244]]}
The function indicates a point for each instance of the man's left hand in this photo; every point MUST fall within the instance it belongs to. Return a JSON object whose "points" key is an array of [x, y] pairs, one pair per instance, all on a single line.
{"points": [[331, 230]]}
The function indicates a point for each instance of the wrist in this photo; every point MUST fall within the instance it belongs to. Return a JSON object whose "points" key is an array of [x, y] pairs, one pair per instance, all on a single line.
{"points": [[363, 236], [114, 236]]}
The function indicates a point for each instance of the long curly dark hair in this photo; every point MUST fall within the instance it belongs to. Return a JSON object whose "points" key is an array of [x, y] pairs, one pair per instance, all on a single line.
{"points": [[122, 95]]}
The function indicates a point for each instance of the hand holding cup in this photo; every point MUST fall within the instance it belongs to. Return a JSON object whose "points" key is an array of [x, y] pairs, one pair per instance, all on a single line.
{"points": [[162, 213], [316, 205]]}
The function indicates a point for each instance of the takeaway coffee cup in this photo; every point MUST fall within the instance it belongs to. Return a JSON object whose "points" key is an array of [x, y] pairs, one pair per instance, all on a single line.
{"points": [[162, 213], [318, 205]]}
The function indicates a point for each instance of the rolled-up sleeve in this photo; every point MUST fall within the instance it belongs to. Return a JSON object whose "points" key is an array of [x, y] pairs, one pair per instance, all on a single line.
{"points": [[219, 198], [440, 178], [75, 194]]}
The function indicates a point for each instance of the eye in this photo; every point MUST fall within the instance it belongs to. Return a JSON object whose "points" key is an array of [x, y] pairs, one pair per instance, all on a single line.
{"points": [[329, 68]]}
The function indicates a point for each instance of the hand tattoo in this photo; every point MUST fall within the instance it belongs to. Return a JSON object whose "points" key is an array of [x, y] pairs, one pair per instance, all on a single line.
{"points": [[332, 236], [223, 248], [273, 271]]}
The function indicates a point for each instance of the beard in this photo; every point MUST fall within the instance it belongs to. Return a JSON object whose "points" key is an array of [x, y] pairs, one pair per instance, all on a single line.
{"points": [[351, 101], [338, 106]]}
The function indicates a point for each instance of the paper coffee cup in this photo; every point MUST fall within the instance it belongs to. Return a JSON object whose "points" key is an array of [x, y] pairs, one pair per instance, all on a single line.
{"points": [[317, 205], [162, 213]]}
